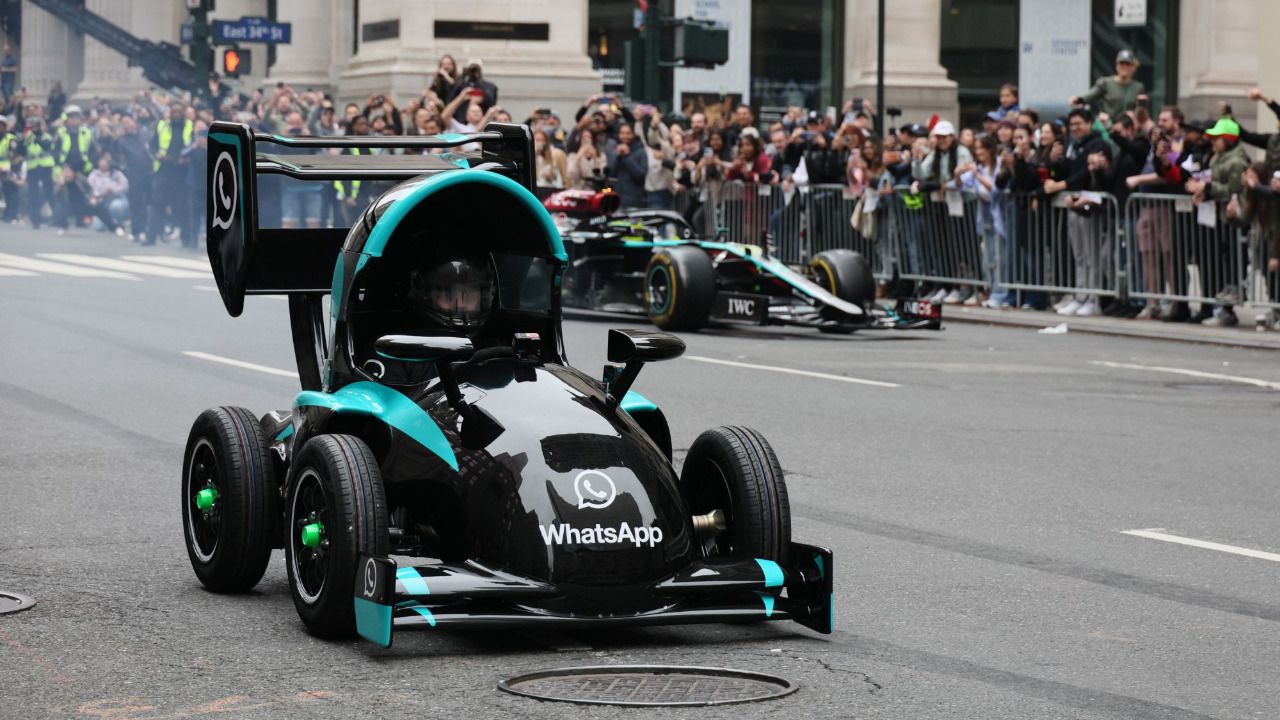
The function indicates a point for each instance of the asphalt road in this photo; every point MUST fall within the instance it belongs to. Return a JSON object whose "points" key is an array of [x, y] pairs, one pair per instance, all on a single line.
{"points": [[975, 508]]}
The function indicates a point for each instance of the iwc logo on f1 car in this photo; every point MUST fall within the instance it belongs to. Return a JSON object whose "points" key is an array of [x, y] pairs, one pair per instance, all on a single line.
{"points": [[596, 490]]}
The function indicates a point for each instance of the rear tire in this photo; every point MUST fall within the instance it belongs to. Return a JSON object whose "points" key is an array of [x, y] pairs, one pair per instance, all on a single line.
{"points": [[679, 287], [845, 274], [336, 485], [733, 469], [227, 469]]}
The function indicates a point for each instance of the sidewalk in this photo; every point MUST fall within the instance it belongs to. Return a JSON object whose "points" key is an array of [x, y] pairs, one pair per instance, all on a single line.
{"points": [[1244, 335]]}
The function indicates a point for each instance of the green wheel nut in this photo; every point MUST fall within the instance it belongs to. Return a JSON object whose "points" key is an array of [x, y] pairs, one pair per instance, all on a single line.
{"points": [[205, 498], [311, 533]]}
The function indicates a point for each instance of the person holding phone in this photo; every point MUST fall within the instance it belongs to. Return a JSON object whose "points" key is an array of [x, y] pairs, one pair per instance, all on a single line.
{"points": [[476, 89], [1118, 93]]}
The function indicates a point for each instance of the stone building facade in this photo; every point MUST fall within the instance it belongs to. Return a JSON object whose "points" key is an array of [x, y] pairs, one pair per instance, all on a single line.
{"points": [[357, 48]]}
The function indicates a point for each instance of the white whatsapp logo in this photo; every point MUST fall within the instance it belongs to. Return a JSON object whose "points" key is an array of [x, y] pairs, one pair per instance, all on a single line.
{"points": [[224, 205], [594, 489]]}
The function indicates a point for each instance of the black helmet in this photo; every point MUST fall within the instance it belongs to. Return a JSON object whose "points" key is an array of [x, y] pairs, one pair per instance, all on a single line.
{"points": [[455, 293]]}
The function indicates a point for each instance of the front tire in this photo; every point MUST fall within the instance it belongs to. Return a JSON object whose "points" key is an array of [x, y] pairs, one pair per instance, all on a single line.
{"points": [[335, 510], [845, 274], [679, 287], [228, 486], [734, 470]]}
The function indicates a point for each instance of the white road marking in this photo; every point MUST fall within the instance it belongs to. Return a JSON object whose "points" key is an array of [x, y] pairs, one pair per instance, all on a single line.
{"points": [[791, 371], [214, 288], [55, 268], [123, 265], [240, 364], [10, 272], [184, 263], [1155, 534], [1190, 373]]}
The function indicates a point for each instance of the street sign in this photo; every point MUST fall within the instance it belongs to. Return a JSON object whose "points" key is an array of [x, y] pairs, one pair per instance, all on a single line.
{"points": [[187, 31], [252, 29], [1131, 13]]}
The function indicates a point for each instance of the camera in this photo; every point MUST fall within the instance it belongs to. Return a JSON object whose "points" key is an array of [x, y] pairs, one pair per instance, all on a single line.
{"points": [[893, 112]]}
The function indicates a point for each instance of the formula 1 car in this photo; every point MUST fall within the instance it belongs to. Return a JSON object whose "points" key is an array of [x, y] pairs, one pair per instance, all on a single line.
{"points": [[650, 262], [444, 465]]}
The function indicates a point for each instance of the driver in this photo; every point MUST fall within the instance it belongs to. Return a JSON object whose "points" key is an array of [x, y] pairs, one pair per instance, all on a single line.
{"points": [[455, 294]]}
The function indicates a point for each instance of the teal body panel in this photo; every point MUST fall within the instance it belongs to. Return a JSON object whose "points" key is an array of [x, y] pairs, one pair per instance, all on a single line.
{"points": [[389, 406], [634, 402]]}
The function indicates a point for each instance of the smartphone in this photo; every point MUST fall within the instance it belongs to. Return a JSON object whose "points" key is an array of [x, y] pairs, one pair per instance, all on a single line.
{"points": [[857, 105], [706, 152], [476, 92]]}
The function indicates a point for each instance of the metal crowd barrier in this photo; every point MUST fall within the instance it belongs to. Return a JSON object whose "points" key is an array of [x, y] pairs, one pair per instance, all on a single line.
{"points": [[1156, 247], [1182, 251]]}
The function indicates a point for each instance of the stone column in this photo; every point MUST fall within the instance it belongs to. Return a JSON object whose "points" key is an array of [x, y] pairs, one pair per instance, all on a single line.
{"points": [[529, 73], [1218, 57], [914, 77], [306, 61], [106, 71], [51, 52]]}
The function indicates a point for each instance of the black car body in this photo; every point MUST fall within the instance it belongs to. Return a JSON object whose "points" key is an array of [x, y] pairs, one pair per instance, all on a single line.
{"points": [[509, 486]]}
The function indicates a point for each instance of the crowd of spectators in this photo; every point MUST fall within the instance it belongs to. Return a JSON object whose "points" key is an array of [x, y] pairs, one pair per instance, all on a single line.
{"points": [[139, 169]]}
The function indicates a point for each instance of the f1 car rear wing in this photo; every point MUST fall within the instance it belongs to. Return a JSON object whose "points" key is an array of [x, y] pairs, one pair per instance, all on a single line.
{"points": [[248, 260]]}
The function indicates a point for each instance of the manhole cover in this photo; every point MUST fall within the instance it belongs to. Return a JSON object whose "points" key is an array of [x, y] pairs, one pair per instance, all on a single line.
{"points": [[11, 602], [648, 685]]}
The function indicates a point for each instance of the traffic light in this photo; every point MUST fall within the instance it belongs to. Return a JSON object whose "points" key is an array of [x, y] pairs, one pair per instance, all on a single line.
{"points": [[700, 44], [236, 61]]}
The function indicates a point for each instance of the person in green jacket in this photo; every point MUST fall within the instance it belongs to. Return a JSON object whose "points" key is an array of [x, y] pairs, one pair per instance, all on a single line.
{"points": [[1118, 93], [1226, 185]]}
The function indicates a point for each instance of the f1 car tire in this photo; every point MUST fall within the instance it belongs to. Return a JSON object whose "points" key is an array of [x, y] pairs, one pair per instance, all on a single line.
{"points": [[335, 509], [734, 470], [845, 274], [228, 486], [679, 287]]}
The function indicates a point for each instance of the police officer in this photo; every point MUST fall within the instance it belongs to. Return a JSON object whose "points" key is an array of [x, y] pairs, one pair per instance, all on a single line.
{"points": [[75, 143], [8, 144], [173, 135], [39, 151]]}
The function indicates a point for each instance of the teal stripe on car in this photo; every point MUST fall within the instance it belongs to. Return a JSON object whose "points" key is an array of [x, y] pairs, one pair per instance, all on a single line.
{"points": [[634, 402], [387, 405], [822, 569], [768, 601], [284, 433], [373, 622], [426, 613], [773, 576], [412, 581]]}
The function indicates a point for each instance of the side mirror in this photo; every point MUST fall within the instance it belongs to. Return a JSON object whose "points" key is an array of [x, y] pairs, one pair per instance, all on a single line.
{"points": [[634, 348], [424, 348], [643, 345]]}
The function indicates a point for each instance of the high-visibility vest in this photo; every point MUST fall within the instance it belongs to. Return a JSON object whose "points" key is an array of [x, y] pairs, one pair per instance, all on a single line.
{"points": [[6, 147], [164, 136], [64, 145], [37, 156], [355, 184]]}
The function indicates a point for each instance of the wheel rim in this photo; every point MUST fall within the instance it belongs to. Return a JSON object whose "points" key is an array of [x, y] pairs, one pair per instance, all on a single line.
{"points": [[204, 524], [711, 492], [658, 289], [308, 518], [823, 276]]}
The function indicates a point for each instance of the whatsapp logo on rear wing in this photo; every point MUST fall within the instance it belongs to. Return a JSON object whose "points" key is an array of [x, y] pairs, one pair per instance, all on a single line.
{"points": [[594, 489]]}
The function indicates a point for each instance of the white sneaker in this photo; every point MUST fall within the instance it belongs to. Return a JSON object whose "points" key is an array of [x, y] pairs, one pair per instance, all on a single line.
{"points": [[119, 232], [952, 298], [1088, 309], [940, 295], [1070, 308]]}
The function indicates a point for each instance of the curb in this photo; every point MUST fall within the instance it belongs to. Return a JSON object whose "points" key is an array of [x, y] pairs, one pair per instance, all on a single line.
{"points": [[1241, 337]]}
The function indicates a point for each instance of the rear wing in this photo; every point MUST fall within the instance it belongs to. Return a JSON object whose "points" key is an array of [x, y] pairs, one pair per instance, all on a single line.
{"points": [[247, 260]]}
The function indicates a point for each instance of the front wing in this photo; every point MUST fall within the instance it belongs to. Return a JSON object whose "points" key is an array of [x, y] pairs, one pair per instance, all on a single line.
{"points": [[389, 597]]}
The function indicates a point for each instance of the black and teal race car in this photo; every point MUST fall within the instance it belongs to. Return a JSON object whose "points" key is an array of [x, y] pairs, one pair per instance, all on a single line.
{"points": [[444, 464], [651, 262]]}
